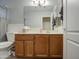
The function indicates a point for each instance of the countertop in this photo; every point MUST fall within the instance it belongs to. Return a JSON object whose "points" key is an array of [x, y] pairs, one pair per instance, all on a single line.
{"points": [[38, 32]]}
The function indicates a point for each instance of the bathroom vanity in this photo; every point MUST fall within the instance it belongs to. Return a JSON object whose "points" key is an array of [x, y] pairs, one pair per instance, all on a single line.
{"points": [[39, 45], [43, 37]]}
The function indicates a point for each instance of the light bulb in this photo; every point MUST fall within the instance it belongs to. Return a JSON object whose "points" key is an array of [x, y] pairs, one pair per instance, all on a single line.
{"points": [[39, 2]]}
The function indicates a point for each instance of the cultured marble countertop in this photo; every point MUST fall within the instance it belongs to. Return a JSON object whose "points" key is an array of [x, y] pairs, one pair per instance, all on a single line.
{"points": [[38, 32]]}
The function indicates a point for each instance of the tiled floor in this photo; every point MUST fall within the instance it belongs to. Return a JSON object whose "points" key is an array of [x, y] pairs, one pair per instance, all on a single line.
{"points": [[11, 57]]}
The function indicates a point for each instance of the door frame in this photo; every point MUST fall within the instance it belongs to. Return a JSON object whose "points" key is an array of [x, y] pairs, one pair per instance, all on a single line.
{"points": [[65, 29], [43, 19]]}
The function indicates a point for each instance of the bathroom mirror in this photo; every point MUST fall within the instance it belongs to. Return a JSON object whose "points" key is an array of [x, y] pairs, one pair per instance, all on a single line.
{"points": [[44, 17]]}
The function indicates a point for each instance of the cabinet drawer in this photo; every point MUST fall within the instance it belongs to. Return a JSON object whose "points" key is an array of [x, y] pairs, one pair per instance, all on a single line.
{"points": [[41, 36], [56, 35], [26, 37]]}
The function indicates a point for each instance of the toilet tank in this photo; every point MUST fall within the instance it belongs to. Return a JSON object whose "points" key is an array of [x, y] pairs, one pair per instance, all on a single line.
{"points": [[10, 36]]}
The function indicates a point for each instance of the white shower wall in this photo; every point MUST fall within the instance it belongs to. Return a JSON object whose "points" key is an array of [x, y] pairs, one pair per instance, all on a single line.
{"points": [[3, 23]]}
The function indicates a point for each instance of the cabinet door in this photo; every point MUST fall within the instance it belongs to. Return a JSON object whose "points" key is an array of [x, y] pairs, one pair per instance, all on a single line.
{"points": [[19, 48], [41, 45], [56, 45], [28, 48]]}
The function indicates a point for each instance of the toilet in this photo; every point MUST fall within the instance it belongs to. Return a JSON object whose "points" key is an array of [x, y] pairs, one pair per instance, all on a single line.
{"points": [[5, 46]]}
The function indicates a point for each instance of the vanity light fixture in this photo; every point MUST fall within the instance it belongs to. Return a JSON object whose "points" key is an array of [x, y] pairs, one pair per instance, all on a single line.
{"points": [[39, 3]]}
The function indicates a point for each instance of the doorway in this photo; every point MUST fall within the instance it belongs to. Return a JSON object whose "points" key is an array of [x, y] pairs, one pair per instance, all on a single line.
{"points": [[46, 23]]}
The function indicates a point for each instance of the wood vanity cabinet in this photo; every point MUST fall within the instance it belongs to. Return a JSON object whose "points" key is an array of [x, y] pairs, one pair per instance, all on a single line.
{"points": [[39, 45], [56, 45], [24, 45], [28, 48], [19, 50]]}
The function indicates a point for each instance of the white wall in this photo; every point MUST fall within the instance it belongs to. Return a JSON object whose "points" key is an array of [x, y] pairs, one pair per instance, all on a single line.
{"points": [[16, 15], [12, 28], [16, 7], [34, 19], [15, 10]]}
